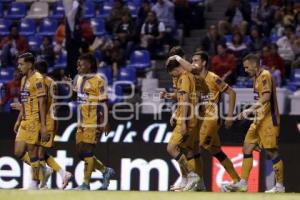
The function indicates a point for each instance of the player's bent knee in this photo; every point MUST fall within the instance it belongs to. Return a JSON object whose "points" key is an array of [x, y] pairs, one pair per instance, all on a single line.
{"points": [[221, 156], [171, 149], [19, 154]]}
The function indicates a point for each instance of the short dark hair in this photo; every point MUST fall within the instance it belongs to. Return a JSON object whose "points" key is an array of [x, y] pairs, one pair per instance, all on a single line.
{"points": [[252, 57], [28, 57], [91, 59], [203, 55], [41, 66], [172, 64], [177, 50]]}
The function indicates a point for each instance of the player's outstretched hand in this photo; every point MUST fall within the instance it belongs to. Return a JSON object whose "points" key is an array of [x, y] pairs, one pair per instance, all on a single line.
{"points": [[15, 106], [243, 115]]}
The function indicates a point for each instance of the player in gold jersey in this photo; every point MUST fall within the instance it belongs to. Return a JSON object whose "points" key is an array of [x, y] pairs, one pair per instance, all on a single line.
{"points": [[44, 157], [264, 131], [183, 136], [92, 120], [31, 122], [209, 138], [193, 154]]}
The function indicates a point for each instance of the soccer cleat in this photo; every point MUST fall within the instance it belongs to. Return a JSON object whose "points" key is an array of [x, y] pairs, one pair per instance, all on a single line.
{"points": [[83, 186], [108, 173], [276, 189], [178, 186], [46, 174], [66, 180], [236, 187], [193, 180], [223, 187], [200, 187]]}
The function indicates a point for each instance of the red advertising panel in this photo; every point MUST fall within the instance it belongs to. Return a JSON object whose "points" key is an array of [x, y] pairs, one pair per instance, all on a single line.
{"points": [[220, 176]]}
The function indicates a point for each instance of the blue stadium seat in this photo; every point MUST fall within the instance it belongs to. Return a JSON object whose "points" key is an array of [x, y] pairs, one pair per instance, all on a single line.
{"points": [[107, 73], [48, 27], [107, 7], [6, 74], [140, 59], [294, 83], [27, 27], [17, 10], [115, 94], [98, 25], [133, 9], [228, 37], [34, 42], [89, 9], [58, 10], [4, 27], [61, 61], [127, 74]]}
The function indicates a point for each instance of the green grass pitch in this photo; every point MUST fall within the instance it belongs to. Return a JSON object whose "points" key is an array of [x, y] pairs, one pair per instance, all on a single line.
{"points": [[134, 195]]}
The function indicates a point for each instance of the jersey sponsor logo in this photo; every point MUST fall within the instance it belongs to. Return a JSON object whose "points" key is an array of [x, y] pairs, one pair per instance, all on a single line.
{"points": [[24, 95]]}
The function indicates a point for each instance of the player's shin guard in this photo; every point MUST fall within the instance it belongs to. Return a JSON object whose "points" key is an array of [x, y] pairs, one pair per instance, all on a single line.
{"points": [[182, 161], [99, 165], [89, 164], [198, 165], [35, 165], [52, 163], [278, 170], [227, 164], [247, 166], [25, 158]]}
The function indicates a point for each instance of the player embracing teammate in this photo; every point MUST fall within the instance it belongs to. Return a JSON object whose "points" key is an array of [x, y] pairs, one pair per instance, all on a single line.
{"points": [[36, 127], [263, 131]]}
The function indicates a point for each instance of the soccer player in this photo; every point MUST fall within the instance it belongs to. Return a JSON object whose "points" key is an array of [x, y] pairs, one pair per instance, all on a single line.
{"points": [[44, 157], [209, 138], [264, 130], [93, 118], [31, 122], [192, 154], [186, 121]]}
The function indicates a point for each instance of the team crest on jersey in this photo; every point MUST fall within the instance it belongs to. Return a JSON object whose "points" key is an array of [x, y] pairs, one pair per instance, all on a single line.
{"points": [[39, 85], [218, 81], [264, 82]]}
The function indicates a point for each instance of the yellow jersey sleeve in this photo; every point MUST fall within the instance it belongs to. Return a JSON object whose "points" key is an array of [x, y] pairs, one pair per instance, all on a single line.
{"points": [[220, 84], [40, 87], [265, 83], [102, 89]]}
